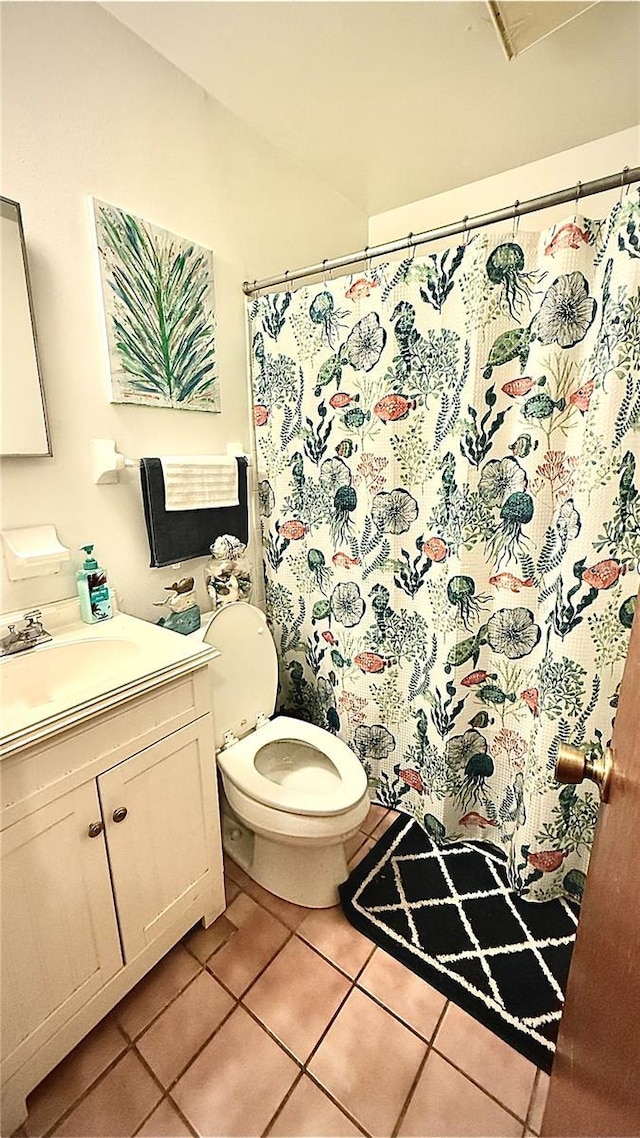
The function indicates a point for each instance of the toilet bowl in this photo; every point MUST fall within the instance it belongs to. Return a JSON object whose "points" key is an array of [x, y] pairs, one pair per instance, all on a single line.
{"points": [[286, 783]]}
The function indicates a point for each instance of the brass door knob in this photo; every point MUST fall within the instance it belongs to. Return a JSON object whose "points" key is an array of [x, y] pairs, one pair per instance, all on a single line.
{"points": [[574, 765], [95, 829], [119, 814]]}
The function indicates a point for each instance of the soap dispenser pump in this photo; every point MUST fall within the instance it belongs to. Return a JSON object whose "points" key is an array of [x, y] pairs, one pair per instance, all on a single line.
{"points": [[93, 590]]}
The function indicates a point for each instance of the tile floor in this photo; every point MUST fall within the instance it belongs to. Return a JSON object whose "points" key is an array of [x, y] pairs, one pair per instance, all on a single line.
{"points": [[286, 1022]]}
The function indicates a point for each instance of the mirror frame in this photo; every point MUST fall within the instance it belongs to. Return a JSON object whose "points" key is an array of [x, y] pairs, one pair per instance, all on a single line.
{"points": [[40, 453]]}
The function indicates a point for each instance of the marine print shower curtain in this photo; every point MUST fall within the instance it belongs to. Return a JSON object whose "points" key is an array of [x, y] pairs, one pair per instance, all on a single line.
{"points": [[449, 492]]}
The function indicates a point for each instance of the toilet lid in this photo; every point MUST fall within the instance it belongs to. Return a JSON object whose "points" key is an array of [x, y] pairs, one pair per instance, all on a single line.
{"points": [[245, 675]]}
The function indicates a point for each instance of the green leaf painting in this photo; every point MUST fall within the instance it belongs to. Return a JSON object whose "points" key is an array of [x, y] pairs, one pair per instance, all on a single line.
{"points": [[158, 300]]}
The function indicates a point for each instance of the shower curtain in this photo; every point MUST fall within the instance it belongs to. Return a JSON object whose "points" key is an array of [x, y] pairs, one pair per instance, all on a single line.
{"points": [[449, 496]]}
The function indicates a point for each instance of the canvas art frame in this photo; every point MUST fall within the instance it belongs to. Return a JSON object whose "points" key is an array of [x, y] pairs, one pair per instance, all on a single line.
{"points": [[159, 312]]}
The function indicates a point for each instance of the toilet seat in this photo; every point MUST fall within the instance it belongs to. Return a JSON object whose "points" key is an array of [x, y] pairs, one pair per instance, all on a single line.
{"points": [[238, 764]]}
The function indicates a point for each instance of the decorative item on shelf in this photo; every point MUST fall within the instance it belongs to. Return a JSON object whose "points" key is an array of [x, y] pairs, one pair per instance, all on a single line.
{"points": [[228, 573], [184, 615], [157, 291]]}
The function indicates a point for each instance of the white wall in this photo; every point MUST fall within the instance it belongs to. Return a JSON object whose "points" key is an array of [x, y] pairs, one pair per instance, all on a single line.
{"points": [[89, 109], [581, 164]]}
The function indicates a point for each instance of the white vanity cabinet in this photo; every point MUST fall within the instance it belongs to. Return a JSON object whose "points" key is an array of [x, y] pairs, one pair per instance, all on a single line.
{"points": [[111, 851]]}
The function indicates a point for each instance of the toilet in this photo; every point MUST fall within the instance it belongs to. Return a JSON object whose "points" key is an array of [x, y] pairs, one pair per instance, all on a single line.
{"points": [[293, 794]]}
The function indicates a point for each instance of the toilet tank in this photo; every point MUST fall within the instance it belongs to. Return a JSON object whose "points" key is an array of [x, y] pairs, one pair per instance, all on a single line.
{"points": [[245, 676]]}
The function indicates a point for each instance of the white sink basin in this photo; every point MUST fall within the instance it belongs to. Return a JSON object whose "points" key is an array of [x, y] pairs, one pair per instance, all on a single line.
{"points": [[84, 670], [63, 671]]}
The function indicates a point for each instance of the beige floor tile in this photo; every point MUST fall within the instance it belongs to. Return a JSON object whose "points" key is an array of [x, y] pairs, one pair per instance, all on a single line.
{"points": [[117, 1104], [538, 1102], [308, 1113], [156, 990], [367, 845], [404, 993], [297, 996], [165, 1122], [256, 942], [289, 914], [503, 1072], [330, 932], [231, 889], [373, 818], [384, 825], [170, 1043], [71, 1078], [236, 1084], [367, 1061], [202, 943], [446, 1105]]}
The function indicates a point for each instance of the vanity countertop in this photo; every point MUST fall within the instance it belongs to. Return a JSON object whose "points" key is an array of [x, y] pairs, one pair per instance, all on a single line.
{"points": [[85, 669]]}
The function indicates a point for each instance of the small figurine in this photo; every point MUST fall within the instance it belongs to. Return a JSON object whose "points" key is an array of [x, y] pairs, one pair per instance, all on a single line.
{"points": [[228, 573], [184, 616]]}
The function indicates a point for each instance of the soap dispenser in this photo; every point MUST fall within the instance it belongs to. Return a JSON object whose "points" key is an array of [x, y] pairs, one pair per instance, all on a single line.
{"points": [[93, 590]]}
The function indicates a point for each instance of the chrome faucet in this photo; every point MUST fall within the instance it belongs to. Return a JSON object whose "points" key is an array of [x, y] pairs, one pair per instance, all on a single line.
{"points": [[28, 637]]}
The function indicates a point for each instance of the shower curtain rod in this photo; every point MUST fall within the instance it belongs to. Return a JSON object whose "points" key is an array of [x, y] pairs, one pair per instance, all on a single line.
{"points": [[626, 177]]}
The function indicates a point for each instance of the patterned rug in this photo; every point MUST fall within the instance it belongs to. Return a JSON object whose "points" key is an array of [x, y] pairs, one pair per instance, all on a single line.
{"points": [[448, 914]]}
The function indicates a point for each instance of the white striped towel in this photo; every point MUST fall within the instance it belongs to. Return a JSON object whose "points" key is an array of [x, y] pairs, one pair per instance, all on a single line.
{"points": [[200, 481]]}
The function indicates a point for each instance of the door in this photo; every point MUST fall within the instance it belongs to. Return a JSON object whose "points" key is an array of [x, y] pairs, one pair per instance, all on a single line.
{"points": [[60, 940], [595, 1083], [161, 817]]}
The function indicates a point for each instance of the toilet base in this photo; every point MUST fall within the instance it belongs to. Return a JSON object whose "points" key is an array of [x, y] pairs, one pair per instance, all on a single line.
{"points": [[304, 875]]}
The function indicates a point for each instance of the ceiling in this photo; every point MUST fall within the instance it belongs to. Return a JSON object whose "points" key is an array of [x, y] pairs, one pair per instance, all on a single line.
{"points": [[389, 102]]}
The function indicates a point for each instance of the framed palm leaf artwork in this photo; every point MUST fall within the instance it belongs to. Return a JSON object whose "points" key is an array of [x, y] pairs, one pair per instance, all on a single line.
{"points": [[157, 290]]}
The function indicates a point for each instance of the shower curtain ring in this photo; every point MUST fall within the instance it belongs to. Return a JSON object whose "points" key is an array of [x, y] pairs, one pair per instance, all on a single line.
{"points": [[578, 191], [324, 270], [622, 185], [412, 247], [367, 261], [516, 219], [465, 231]]}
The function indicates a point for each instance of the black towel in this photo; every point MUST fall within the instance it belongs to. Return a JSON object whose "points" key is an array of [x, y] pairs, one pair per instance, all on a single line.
{"points": [[178, 535]]}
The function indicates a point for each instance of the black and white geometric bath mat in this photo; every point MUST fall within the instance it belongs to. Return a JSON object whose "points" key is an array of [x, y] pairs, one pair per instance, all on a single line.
{"points": [[447, 912]]}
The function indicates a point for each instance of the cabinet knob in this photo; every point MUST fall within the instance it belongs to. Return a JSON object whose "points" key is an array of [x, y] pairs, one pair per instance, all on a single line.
{"points": [[95, 829], [119, 814]]}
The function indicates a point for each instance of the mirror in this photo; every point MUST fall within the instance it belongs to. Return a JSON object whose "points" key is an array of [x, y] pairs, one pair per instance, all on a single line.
{"points": [[23, 419]]}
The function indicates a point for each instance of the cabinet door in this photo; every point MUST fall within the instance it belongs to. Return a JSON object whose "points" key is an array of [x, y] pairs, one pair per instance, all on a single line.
{"points": [[163, 850], [60, 940]]}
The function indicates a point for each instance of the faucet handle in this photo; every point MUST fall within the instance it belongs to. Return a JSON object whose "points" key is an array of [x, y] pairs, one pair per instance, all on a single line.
{"points": [[32, 617]]}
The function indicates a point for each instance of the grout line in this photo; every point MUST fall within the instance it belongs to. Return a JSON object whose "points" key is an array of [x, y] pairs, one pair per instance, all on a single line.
{"points": [[183, 1117], [204, 963], [299, 1077], [329, 1025], [87, 1091], [480, 1087], [334, 963], [405, 1106], [396, 1015], [534, 1088], [192, 1057], [421, 1067], [303, 1065], [343, 1109], [131, 1039], [258, 975], [268, 1031]]}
